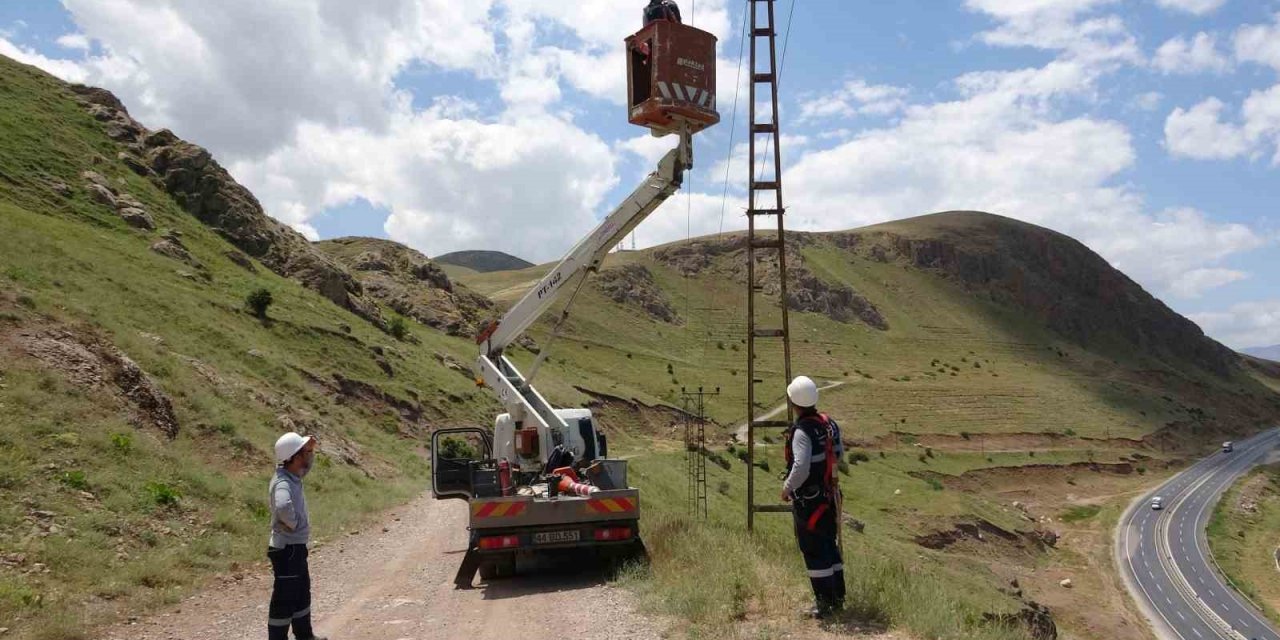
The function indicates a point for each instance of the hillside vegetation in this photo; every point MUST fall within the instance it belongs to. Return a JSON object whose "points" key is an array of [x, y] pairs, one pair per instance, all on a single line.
{"points": [[140, 397], [996, 375]]}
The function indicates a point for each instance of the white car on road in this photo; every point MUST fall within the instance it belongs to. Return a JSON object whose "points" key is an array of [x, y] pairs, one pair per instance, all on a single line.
{"points": [[1157, 503]]}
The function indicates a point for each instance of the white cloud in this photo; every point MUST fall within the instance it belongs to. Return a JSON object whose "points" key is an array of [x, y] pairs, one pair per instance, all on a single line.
{"points": [[74, 41], [64, 69], [999, 149], [195, 67], [1200, 133], [1197, 7], [1149, 101], [526, 184], [1182, 56], [856, 97], [1259, 43], [1250, 324], [1194, 283], [1060, 25]]}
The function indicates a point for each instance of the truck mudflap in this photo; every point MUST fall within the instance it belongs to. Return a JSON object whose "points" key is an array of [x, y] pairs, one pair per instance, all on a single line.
{"points": [[527, 511]]}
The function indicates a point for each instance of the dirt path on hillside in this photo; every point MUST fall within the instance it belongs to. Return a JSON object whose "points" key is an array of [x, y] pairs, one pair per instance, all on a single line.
{"points": [[398, 585]]}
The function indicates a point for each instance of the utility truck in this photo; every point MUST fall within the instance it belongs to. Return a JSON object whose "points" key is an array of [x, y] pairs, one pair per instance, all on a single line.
{"points": [[542, 478]]}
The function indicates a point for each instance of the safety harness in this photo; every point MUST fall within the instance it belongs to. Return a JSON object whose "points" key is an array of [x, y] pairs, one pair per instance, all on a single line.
{"points": [[828, 478]]}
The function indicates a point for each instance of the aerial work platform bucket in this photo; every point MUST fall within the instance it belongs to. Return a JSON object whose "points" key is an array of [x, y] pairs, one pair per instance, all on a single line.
{"points": [[671, 78]]}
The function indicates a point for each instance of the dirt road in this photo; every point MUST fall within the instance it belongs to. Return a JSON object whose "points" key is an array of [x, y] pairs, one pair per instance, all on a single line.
{"points": [[398, 585]]}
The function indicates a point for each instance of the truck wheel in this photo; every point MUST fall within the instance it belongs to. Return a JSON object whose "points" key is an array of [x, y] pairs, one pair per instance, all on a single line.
{"points": [[498, 568]]}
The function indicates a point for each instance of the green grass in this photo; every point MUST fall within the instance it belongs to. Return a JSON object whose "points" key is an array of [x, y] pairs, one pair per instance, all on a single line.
{"points": [[140, 519], [1243, 541], [760, 578], [1080, 513]]}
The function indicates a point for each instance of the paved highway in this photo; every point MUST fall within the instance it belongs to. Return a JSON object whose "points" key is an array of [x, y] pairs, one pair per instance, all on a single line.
{"points": [[1164, 555]]}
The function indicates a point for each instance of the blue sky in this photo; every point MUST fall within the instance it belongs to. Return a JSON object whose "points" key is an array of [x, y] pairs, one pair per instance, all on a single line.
{"points": [[1149, 129]]}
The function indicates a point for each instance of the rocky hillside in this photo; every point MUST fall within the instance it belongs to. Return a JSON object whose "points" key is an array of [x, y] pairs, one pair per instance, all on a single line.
{"points": [[484, 261], [198, 184], [410, 284], [140, 396], [1056, 279]]}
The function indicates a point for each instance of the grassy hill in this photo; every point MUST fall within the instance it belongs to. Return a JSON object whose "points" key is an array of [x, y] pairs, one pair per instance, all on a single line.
{"points": [[483, 261], [998, 378], [139, 397], [994, 374]]}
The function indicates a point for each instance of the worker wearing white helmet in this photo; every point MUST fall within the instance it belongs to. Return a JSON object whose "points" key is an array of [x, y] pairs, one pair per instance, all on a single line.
{"points": [[813, 451], [290, 533]]}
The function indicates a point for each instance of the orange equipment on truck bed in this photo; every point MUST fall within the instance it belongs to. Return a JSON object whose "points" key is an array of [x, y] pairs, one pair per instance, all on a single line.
{"points": [[671, 78]]}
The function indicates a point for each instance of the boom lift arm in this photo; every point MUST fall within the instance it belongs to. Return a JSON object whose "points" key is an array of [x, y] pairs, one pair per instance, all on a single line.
{"points": [[523, 403]]}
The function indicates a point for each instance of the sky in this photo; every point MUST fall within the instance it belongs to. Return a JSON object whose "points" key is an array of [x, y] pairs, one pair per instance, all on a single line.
{"points": [[1147, 129]]}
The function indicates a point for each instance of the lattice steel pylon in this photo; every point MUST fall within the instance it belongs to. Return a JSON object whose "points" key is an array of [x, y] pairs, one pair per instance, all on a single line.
{"points": [[764, 35], [695, 444]]}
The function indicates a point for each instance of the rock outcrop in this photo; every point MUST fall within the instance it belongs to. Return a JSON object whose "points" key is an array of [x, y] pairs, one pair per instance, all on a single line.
{"points": [[92, 362], [1056, 279], [806, 291], [201, 186], [411, 284], [633, 285]]}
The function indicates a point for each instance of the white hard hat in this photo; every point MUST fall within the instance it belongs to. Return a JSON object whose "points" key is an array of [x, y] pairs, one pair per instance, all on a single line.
{"points": [[803, 392], [290, 444]]}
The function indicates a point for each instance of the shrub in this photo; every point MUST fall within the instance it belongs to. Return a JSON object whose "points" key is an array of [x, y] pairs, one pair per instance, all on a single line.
{"points": [[1070, 433], [844, 467], [935, 484], [742, 454], [163, 494], [723, 487], [965, 434], [259, 301], [398, 328], [928, 452], [764, 465], [670, 369], [858, 456], [923, 459], [75, 479], [457, 449]]}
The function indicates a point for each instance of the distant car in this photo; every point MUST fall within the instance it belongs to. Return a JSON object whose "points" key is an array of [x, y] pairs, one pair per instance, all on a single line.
{"points": [[1227, 447], [1157, 503]]}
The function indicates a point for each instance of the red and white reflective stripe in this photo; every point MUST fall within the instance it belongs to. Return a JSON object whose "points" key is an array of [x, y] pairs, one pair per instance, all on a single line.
{"points": [[613, 533], [499, 542], [611, 505]]}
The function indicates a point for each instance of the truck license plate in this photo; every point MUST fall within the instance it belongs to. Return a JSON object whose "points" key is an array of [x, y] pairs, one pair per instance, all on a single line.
{"points": [[555, 537]]}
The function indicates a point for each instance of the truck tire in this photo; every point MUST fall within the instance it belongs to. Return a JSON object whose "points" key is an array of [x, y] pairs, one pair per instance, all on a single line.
{"points": [[497, 568]]}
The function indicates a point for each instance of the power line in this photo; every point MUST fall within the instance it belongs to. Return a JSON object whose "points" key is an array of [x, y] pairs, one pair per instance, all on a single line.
{"points": [[733, 123]]}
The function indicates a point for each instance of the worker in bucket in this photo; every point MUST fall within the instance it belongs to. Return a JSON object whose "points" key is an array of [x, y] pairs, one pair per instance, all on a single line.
{"points": [[290, 532], [661, 10], [813, 450]]}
